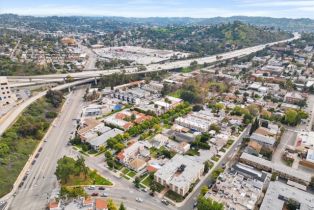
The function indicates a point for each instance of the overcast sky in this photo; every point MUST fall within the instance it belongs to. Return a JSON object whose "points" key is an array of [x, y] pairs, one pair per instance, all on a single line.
{"points": [[161, 8]]}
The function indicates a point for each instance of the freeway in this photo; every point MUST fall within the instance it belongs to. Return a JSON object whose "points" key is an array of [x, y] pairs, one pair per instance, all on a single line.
{"points": [[13, 115], [156, 67], [41, 180]]}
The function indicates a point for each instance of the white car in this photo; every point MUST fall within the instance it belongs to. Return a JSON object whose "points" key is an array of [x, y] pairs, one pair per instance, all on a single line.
{"points": [[140, 200], [92, 187], [105, 195]]}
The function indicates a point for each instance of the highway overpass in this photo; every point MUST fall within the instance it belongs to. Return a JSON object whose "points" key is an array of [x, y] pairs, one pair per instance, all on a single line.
{"points": [[11, 117]]}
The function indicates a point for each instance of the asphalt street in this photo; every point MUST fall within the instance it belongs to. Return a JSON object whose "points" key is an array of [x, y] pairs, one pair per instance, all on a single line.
{"points": [[34, 193]]}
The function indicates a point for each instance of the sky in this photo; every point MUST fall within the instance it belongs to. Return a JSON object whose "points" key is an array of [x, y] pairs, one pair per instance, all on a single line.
{"points": [[161, 8]]}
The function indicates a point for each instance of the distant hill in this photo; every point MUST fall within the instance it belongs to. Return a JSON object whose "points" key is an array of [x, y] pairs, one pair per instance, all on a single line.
{"points": [[199, 39], [87, 24]]}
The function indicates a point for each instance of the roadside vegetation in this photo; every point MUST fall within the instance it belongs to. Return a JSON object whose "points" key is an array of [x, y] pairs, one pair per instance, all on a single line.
{"points": [[72, 174], [21, 139]]}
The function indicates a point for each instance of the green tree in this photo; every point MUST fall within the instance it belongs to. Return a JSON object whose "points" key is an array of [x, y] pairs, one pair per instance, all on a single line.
{"points": [[204, 190], [215, 127], [291, 117], [111, 205], [54, 97], [4, 149], [137, 182], [208, 204], [66, 166], [122, 207]]}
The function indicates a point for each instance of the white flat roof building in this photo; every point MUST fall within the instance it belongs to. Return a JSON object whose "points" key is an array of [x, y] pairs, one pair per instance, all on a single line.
{"points": [[179, 174], [278, 192], [102, 139], [193, 123]]}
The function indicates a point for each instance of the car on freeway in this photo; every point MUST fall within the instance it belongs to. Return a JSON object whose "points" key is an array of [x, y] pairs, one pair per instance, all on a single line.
{"points": [[91, 187], [140, 200], [95, 194]]}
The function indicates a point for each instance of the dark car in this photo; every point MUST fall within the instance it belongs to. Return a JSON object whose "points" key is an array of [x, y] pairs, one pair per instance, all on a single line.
{"points": [[101, 188], [33, 162], [36, 156], [95, 194], [21, 184], [40, 149]]}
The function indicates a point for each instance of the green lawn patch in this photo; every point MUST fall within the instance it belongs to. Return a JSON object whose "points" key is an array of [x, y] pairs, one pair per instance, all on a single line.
{"points": [[176, 94], [215, 158], [147, 181], [92, 178], [125, 170], [193, 152], [131, 174], [125, 176], [174, 196]]}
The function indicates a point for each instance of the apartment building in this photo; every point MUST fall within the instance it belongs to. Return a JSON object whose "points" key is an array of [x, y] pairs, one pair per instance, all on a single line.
{"points": [[6, 95], [179, 174]]}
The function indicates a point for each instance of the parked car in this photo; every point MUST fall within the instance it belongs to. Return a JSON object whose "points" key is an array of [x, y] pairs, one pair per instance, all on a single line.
{"points": [[33, 162], [144, 189], [36, 156], [40, 149], [21, 184], [101, 188]]}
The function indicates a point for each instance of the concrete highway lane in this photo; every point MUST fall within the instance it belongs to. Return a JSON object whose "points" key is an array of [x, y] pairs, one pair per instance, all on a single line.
{"points": [[34, 193]]}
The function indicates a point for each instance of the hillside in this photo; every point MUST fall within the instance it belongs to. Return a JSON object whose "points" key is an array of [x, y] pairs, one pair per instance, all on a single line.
{"points": [[92, 24], [202, 40]]}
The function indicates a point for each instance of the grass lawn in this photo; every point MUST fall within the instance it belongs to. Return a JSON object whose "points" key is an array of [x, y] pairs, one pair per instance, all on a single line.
{"points": [[117, 165], [229, 143], [176, 94], [131, 174], [153, 152], [215, 158], [186, 70], [147, 181], [125, 170], [91, 179], [126, 177], [174, 196], [193, 152]]}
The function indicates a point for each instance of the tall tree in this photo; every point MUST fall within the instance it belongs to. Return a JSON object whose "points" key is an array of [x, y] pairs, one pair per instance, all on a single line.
{"points": [[122, 207]]}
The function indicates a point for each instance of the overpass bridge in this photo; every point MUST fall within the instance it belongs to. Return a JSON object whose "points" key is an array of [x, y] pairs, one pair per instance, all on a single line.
{"points": [[11, 117]]}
